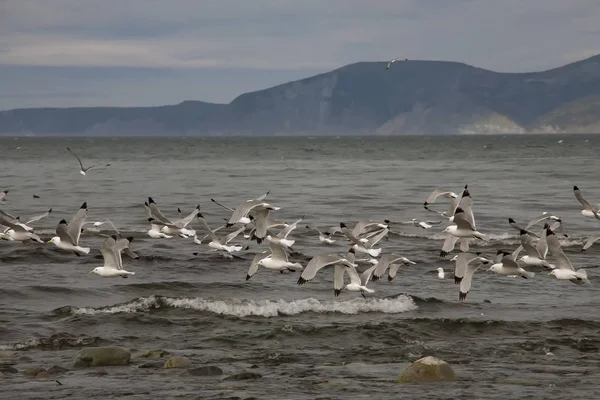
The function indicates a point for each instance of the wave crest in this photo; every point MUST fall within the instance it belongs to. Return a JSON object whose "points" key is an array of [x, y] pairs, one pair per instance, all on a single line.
{"points": [[245, 308]]}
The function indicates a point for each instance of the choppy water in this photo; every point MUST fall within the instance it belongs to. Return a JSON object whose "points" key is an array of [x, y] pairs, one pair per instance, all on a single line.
{"points": [[511, 338]]}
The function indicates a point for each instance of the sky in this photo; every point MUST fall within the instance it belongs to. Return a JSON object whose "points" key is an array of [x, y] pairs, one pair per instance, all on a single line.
{"points": [[63, 53]]}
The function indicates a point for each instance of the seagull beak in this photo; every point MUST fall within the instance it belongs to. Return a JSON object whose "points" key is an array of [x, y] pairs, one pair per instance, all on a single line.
{"points": [[49, 241], [90, 272], [550, 273]]}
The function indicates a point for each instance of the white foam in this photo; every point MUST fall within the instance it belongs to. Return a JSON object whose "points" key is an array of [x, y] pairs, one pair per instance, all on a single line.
{"points": [[263, 308]]}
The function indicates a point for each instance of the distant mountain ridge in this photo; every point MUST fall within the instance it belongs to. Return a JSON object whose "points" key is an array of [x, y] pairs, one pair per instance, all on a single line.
{"points": [[412, 97]]}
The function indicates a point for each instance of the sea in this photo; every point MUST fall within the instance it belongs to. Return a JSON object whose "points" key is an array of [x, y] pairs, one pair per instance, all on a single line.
{"points": [[510, 338]]}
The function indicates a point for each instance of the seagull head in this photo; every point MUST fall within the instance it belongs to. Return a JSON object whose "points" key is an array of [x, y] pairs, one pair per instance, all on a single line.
{"points": [[54, 240], [95, 271], [553, 272]]}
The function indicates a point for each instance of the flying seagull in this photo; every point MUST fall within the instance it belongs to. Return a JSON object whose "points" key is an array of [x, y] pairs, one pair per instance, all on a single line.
{"points": [[83, 170], [394, 60]]}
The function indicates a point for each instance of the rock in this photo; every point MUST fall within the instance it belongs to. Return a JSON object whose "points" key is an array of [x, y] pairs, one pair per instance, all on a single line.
{"points": [[427, 369], [33, 371], [208, 370], [102, 356], [5, 355], [177, 362], [8, 370], [153, 354], [43, 375], [243, 376], [56, 370], [153, 364]]}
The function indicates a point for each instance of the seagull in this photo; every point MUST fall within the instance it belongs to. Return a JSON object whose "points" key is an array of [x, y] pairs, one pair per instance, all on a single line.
{"points": [[421, 224], [67, 235], [587, 210], [83, 170], [323, 237], [3, 195], [113, 264], [465, 225], [358, 283], [454, 201], [590, 241], [564, 270], [514, 225], [440, 273], [394, 60], [385, 262], [462, 261], [176, 227], [155, 232], [282, 235], [534, 258], [17, 231], [221, 244], [544, 216], [364, 245], [277, 260], [369, 225], [254, 264], [321, 261], [465, 283], [17, 220], [508, 266]]}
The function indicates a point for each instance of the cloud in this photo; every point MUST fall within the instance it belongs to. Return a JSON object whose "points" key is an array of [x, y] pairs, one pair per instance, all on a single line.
{"points": [[283, 39]]}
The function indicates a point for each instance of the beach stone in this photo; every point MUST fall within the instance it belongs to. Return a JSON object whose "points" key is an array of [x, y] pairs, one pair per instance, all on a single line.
{"points": [[57, 369], [208, 370], [152, 354], [177, 362], [7, 369], [102, 356], [153, 364], [5, 355], [43, 375], [242, 376], [427, 369], [33, 371]]}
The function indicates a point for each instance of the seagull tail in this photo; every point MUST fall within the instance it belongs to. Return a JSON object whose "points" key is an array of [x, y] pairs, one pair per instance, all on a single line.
{"points": [[84, 250], [527, 274], [287, 242]]}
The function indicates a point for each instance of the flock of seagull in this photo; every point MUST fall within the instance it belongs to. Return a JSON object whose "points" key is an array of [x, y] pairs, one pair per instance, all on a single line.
{"points": [[254, 220]]}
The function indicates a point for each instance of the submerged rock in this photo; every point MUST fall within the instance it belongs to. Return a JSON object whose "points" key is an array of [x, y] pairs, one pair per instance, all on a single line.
{"points": [[33, 371], [243, 376], [102, 356], [427, 369], [57, 369], [207, 370], [152, 354], [177, 362], [43, 375]]}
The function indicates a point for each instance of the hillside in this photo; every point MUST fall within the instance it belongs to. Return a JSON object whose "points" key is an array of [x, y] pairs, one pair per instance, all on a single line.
{"points": [[412, 97]]}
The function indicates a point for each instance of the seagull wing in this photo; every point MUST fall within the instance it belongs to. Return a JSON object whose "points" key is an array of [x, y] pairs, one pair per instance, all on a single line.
{"points": [[156, 213], [555, 249], [77, 157], [38, 217], [527, 244], [591, 240], [107, 249], [183, 222], [365, 277], [286, 231], [319, 262], [375, 239], [352, 273], [62, 231], [462, 220], [74, 227], [278, 251]]}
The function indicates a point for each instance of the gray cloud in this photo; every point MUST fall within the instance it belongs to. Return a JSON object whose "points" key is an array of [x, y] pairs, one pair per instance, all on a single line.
{"points": [[214, 50]]}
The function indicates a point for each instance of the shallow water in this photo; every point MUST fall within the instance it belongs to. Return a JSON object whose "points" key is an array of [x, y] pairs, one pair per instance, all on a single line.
{"points": [[512, 337]]}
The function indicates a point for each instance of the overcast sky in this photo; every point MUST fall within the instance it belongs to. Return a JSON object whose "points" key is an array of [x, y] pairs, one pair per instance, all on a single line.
{"points": [[154, 52]]}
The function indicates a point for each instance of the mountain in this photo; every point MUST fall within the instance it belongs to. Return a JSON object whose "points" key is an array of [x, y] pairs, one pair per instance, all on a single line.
{"points": [[412, 97]]}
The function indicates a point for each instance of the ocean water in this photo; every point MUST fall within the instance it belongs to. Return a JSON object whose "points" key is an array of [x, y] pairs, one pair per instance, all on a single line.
{"points": [[511, 337]]}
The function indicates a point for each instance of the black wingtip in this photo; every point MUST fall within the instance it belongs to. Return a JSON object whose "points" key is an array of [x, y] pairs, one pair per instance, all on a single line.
{"points": [[49, 211], [387, 221], [390, 278], [499, 251], [198, 207], [250, 217], [523, 232], [337, 292], [457, 279], [301, 281], [511, 221], [462, 296], [150, 219], [466, 192], [443, 253], [375, 278], [84, 205], [459, 210], [258, 240], [151, 200], [200, 215], [130, 239], [228, 225], [114, 237], [425, 204], [575, 187], [62, 221], [352, 250], [549, 231], [179, 210], [342, 225], [248, 276]]}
